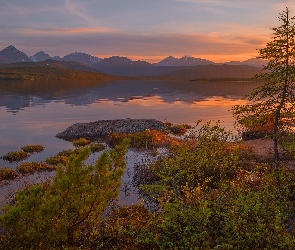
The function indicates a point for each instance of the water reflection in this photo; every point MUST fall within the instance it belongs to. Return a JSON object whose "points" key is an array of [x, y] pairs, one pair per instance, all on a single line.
{"points": [[34, 112], [16, 95]]}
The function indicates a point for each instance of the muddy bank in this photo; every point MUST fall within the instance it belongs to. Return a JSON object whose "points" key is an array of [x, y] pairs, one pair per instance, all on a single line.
{"points": [[102, 128]]}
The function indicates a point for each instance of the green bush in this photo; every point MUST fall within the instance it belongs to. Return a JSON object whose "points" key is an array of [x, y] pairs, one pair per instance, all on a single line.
{"points": [[121, 228], [63, 213], [210, 198]]}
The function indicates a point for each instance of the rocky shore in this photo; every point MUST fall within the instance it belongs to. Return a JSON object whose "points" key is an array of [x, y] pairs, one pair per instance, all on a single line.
{"points": [[102, 128]]}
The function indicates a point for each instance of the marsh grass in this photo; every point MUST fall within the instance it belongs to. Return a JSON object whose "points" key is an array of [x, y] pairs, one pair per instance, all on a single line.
{"points": [[15, 156], [7, 174], [32, 167], [32, 149]]}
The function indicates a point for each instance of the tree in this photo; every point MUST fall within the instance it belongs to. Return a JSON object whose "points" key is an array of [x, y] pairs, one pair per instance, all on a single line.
{"points": [[271, 107]]}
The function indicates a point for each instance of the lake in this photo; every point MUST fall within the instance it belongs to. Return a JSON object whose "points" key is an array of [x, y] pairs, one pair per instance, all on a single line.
{"points": [[34, 112]]}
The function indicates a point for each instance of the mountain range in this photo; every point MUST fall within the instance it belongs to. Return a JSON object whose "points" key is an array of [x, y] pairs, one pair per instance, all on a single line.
{"points": [[11, 54], [123, 66]]}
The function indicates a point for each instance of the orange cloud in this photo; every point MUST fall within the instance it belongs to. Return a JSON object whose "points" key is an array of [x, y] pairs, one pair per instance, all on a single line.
{"points": [[67, 31], [153, 47]]}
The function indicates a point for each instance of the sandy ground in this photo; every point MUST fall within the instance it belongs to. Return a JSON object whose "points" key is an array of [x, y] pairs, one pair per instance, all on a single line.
{"points": [[263, 150]]}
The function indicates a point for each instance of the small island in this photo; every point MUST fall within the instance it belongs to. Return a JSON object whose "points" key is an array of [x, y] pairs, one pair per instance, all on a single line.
{"points": [[103, 128]]}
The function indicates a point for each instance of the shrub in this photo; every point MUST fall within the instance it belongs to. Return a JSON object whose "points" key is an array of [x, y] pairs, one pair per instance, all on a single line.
{"points": [[31, 167], [179, 129], [96, 147], [61, 157], [15, 156], [121, 228], [7, 174], [58, 159], [145, 140], [33, 148], [209, 162], [116, 138], [211, 199], [66, 153], [59, 214], [81, 142]]}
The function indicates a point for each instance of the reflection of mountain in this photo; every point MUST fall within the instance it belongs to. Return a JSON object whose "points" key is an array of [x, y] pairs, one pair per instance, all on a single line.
{"points": [[15, 102], [17, 95]]}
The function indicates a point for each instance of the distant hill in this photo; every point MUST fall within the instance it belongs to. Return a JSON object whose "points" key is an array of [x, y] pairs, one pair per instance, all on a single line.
{"points": [[183, 61], [49, 63], [215, 72], [256, 62], [10, 55], [51, 70]]}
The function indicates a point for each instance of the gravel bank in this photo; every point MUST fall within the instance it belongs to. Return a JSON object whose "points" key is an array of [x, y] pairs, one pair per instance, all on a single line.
{"points": [[101, 129]]}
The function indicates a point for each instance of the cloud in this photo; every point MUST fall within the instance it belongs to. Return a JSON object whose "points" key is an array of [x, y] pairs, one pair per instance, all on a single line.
{"points": [[219, 30], [79, 31], [25, 9], [201, 1], [104, 42], [78, 10]]}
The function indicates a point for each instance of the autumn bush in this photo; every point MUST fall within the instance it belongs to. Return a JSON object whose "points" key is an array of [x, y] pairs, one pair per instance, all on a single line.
{"points": [[33, 148], [96, 147], [146, 140], [24, 153], [81, 142], [179, 129], [32, 167], [7, 174], [15, 156]]}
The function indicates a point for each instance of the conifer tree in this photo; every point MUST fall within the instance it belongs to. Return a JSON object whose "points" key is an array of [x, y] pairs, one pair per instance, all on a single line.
{"points": [[271, 107]]}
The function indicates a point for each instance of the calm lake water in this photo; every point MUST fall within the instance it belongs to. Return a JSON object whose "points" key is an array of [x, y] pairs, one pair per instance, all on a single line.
{"points": [[34, 112]]}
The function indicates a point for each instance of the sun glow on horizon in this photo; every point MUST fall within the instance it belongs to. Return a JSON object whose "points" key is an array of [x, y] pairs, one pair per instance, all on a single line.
{"points": [[213, 58]]}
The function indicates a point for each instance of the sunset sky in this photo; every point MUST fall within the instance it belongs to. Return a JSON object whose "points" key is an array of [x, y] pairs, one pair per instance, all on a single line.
{"points": [[218, 30]]}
